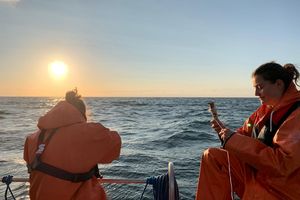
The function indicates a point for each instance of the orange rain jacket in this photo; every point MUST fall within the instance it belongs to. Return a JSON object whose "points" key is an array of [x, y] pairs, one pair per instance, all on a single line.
{"points": [[275, 170], [76, 147]]}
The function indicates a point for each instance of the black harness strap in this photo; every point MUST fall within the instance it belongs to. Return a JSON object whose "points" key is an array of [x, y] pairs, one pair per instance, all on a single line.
{"points": [[51, 170], [62, 174], [267, 135]]}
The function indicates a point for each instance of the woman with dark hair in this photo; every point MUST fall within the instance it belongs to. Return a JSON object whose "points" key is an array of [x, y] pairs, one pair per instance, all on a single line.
{"points": [[261, 159], [62, 156]]}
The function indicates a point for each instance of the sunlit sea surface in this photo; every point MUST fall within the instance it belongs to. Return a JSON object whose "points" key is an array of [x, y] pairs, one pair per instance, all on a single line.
{"points": [[154, 131]]}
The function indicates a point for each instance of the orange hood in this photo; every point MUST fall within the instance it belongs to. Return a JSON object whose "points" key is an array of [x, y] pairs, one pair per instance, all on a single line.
{"points": [[290, 96], [62, 114]]}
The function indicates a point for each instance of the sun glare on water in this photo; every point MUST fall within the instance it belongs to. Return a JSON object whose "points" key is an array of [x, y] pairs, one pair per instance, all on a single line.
{"points": [[58, 69]]}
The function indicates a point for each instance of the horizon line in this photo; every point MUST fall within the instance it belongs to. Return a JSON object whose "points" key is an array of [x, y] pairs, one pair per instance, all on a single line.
{"points": [[131, 96]]}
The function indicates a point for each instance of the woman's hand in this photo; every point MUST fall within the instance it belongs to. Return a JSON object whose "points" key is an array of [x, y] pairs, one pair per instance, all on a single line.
{"points": [[223, 132], [217, 125], [224, 135]]}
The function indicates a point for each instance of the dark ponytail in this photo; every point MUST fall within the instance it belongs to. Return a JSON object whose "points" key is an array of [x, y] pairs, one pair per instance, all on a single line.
{"points": [[292, 72], [74, 98], [273, 71]]}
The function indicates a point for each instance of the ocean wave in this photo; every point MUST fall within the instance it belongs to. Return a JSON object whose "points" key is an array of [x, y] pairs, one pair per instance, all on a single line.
{"points": [[129, 103], [135, 158], [190, 136], [198, 124], [182, 139], [182, 136], [4, 112]]}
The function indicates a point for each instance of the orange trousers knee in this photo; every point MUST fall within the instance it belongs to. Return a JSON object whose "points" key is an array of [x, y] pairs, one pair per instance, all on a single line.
{"points": [[214, 178]]}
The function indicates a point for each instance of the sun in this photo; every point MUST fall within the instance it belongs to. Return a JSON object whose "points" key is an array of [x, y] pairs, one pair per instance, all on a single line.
{"points": [[58, 69]]}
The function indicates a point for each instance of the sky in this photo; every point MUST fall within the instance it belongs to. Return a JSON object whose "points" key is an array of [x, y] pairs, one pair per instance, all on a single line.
{"points": [[144, 48]]}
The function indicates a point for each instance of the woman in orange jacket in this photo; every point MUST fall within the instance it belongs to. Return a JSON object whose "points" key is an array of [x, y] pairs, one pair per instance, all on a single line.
{"points": [[62, 156], [260, 160]]}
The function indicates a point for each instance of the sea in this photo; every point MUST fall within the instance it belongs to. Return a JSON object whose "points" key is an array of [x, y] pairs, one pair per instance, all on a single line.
{"points": [[154, 132]]}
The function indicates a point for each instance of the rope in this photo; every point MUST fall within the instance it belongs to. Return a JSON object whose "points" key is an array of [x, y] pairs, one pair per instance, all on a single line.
{"points": [[7, 180], [160, 186], [144, 191]]}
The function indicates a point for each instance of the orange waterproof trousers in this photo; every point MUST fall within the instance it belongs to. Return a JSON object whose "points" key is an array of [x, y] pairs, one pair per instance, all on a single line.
{"points": [[214, 179]]}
